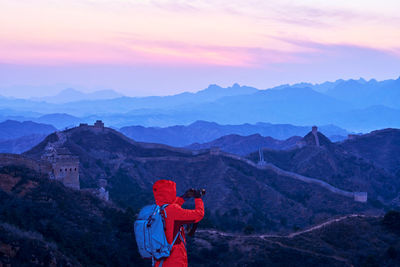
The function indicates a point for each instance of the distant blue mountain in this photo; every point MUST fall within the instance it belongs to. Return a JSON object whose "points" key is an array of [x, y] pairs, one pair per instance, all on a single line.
{"points": [[371, 93], [72, 95], [359, 93], [352, 104], [368, 119], [14, 129], [203, 132], [59, 120], [124, 104], [21, 144]]}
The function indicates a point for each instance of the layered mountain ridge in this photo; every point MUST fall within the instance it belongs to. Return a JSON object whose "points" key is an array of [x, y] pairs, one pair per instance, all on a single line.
{"points": [[278, 224], [356, 105], [132, 167]]}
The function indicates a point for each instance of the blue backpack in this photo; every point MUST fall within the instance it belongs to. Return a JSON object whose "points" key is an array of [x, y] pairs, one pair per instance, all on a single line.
{"points": [[150, 233]]}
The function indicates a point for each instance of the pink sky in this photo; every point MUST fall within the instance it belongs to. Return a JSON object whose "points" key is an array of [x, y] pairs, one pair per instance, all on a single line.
{"points": [[260, 43]]}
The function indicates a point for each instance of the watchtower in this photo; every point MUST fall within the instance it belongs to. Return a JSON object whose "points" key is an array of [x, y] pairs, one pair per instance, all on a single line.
{"points": [[65, 166], [99, 124], [361, 196], [315, 133], [352, 136], [261, 162], [215, 151]]}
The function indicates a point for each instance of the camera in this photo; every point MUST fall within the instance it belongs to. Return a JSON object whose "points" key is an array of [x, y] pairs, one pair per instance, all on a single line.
{"points": [[202, 192], [198, 192]]}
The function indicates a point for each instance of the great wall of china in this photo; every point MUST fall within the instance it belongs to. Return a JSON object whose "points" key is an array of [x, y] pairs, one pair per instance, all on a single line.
{"points": [[58, 163], [357, 196], [16, 159], [65, 167]]}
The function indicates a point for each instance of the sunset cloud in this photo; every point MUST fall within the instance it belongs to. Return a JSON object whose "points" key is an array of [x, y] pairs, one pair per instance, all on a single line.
{"points": [[251, 34], [186, 32]]}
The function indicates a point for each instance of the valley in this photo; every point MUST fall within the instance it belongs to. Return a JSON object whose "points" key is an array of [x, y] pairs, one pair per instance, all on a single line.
{"points": [[288, 203]]}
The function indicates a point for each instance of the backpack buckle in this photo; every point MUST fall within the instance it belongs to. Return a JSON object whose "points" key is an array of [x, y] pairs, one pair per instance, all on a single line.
{"points": [[149, 221]]}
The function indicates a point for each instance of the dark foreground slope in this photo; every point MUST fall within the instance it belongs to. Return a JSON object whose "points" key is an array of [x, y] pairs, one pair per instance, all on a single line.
{"points": [[352, 241], [239, 195], [42, 223]]}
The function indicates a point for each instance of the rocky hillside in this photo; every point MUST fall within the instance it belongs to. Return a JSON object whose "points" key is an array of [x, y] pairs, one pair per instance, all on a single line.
{"points": [[348, 165], [239, 195], [381, 147], [350, 241], [43, 223], [243, 145]]}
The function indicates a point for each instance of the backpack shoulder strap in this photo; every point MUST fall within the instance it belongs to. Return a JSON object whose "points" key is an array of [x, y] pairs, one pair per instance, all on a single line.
{"points": [[162, 208], [179, 234]]}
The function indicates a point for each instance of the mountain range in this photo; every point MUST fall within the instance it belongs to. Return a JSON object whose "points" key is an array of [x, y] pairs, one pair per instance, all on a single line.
{"points": [[254, 215], [132, 167], [14, 129], [356, 105], [204, 132], [18, 136], [243, 145], [368, 163], [21, 144], [72, 95]]}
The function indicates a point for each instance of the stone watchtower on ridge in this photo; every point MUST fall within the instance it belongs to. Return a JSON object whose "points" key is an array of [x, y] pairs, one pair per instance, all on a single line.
{"points": [[315, 133], [65, 166], [99, 124]]}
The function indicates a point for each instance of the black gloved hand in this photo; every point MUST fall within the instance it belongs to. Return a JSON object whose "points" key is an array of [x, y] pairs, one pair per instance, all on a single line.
{"points": [[188, 194], [198, 193]]}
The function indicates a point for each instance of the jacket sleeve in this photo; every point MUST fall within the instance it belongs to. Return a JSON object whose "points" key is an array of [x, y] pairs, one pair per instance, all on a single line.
{"points": [[179, 201], [190, 215]]}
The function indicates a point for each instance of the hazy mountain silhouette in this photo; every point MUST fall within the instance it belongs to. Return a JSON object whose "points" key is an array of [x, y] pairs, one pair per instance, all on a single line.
{"points": [[362, 94], [198, 132], [354, 104], [59, 120], [14, 129], [21, 144], [72, 95], [243, 145], [204, 132]]}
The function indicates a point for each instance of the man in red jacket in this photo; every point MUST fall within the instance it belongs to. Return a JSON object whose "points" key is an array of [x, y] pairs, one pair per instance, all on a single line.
{"points": [[165, 193]]}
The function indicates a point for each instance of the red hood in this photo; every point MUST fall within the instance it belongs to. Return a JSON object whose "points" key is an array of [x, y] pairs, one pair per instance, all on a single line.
{"points": [[164, 192]]}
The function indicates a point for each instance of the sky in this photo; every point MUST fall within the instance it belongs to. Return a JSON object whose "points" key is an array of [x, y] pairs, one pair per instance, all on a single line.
{"points": [[149, 47]]}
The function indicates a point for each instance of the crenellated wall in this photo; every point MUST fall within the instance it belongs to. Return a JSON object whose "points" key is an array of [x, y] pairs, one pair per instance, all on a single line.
{"points": [[19, 160]]}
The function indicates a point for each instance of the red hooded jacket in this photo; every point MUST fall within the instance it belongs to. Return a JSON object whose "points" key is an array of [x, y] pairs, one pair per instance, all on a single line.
{"points": [[165, 193]]}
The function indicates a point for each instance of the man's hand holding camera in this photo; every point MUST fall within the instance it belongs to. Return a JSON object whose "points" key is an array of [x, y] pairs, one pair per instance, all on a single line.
{"points": [[195, 193]]}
